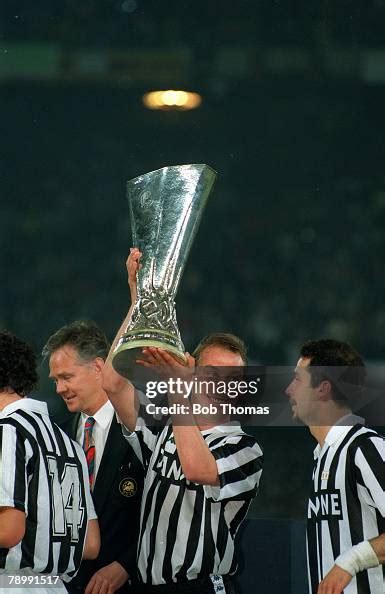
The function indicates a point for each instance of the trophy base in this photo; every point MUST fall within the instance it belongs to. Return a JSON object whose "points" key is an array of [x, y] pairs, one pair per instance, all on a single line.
{"points": [[130, 346]]}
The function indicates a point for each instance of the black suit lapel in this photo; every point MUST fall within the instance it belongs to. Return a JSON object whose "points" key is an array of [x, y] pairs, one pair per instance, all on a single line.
{"points": [[113, 455]]}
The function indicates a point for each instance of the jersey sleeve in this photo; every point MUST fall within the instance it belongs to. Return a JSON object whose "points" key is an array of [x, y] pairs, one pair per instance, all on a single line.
{"points": [[145, 435], [90, 506], [239, 461], [15, 453], [370, 463], [142, 440]]}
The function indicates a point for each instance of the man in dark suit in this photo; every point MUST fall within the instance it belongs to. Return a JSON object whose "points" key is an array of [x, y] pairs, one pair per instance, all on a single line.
{"points": [[76, 355]]}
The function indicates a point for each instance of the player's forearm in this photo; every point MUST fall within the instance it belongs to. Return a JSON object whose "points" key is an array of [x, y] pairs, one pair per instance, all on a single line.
{"points": [[125, 405], [122, 395], [362, 556], [378, 545], [92, 542], [119, 390], [198, 463]]}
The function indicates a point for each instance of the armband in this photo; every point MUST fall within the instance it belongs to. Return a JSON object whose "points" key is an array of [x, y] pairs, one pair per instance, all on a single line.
{"points": [[358, 558]]}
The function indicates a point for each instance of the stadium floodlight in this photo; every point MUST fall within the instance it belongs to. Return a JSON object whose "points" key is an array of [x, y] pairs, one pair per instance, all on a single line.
{"points": [[171, 99]]}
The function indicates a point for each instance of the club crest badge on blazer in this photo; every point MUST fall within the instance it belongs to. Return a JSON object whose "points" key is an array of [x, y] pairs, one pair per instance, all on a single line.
{"points": [[128, 487]]}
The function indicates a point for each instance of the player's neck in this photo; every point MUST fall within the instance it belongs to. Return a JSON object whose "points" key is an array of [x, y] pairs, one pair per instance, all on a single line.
{"points": [[8, 396], [319, 432]]}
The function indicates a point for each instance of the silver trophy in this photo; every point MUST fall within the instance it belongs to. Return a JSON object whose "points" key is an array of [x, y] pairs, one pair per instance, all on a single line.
{"points": [[165, 209]]}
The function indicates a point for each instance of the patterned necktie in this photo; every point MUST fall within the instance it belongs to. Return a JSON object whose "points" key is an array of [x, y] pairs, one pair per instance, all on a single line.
{"points": [[89, 448]]}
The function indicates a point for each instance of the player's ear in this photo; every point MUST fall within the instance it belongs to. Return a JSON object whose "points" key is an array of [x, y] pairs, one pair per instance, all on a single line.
{"points": [[324, 390]]}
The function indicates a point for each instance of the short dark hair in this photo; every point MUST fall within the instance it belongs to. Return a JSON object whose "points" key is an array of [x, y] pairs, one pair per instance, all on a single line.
{"points": [[337, 362], [228, 341], [84, 336], [17, 364]]}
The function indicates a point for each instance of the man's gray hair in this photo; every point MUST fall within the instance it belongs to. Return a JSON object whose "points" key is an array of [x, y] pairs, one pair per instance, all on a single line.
{"points": [[84, 336]]}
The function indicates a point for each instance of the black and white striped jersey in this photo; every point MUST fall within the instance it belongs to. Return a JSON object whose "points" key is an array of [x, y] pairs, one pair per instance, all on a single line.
{"points": [[347, 503], [187, 529], [44, 474]]}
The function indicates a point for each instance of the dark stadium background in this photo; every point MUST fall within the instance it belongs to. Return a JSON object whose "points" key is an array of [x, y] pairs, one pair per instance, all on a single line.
{"points": [[292, 243]]}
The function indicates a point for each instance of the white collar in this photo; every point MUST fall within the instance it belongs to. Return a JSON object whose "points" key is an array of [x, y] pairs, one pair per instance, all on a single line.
{"points": [[102, 416], [28, 404], [339, 430], [231, 427]]}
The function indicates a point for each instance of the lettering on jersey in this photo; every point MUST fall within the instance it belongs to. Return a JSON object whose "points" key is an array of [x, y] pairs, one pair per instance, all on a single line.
{"points": [[168, 465], [325, 505]]}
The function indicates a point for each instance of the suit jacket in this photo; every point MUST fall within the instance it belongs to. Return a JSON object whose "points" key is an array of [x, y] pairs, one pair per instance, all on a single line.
{"points": [[117, 493]]}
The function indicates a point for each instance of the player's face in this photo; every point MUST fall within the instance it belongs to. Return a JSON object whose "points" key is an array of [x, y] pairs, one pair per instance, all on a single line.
{"points": [[302, 396], [223, 362], [77, 382]]}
